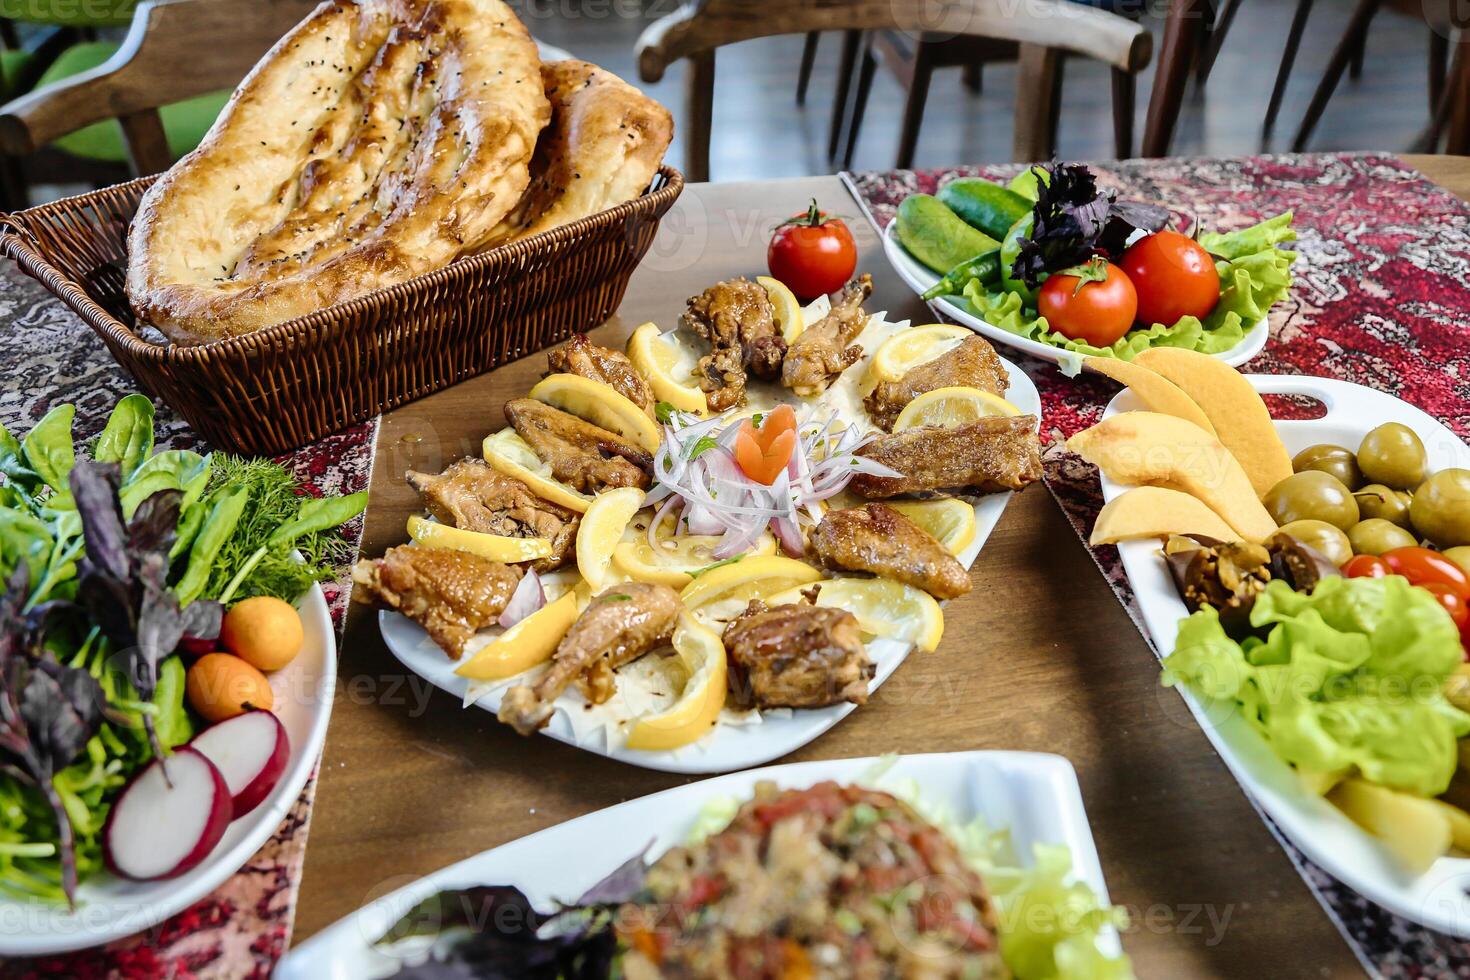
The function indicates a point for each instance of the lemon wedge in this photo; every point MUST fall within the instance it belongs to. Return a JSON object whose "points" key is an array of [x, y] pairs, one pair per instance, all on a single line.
{"points": [[658, 361], [789, 319], [883, 607], [950, 522], [531, 641], [599, 404], [748, 578], [698, 708], [507, 452], [602, 528], [674, 559], [493, 546], [906, 350], [952, 406]]}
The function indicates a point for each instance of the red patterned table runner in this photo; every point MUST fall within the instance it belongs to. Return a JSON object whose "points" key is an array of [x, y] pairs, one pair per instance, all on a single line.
{"points": [[1380, 299], [50, 357]]}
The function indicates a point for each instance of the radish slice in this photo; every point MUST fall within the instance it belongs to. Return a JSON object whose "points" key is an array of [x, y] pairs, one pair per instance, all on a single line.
{"points": [[158, 830], [250, 751]]}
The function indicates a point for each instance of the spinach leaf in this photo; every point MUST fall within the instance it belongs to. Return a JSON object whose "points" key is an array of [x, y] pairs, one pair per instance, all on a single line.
{"points": [[224, 514], [128, 438], [13, 465], [318, 514], [172, 469], [48, 447]]}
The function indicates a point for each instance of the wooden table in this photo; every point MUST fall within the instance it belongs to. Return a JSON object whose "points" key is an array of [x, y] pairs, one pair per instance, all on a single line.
{"points": [[1040, 656]]}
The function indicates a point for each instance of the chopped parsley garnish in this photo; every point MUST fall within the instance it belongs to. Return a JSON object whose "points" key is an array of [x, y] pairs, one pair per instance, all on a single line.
{"points": [[709, 568], [701, 446], [664, 412]]}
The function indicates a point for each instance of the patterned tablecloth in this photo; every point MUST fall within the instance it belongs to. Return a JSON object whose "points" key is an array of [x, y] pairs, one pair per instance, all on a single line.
{"points": [[50, 357], [1380, 299]]}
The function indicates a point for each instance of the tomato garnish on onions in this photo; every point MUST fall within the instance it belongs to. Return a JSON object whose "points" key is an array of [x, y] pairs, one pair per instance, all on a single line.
{"points": [[763, 453]]}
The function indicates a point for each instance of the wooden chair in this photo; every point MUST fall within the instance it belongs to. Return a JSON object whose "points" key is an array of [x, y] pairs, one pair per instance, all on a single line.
{"points": [[1042, 28], [218, 40]]}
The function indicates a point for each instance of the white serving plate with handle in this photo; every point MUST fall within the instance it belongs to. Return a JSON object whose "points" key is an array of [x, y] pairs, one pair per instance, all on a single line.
{"points": [[1035, 795], [110, 908], [921, 278], [1438, 898], [728, 747]]}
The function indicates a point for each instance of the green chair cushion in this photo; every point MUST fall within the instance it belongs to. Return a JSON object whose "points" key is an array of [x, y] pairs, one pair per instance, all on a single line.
{"points": [[184, 123], [70, 13]]}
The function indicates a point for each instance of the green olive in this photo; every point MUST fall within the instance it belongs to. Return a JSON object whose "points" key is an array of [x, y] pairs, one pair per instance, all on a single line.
{"points": [[1377, 500], [1392, 454], [1312, 495], [1441, 508], [1328, 458], [1460, 555], [1375, 536], [1324, 537]]}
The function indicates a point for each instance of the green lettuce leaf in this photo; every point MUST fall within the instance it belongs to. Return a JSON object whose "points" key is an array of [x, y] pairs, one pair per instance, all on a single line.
{"points": [[1349, 677], [1254, 275]]}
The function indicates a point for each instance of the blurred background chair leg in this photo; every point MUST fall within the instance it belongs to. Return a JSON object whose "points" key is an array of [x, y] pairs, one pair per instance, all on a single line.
{"points": [[700, 96], [1456, 99], [1124, 86], [1037, 76], [1346, 50], [808, 58], [1215, 37], [1439, 56], [864, 87], [973, 78], [1288, 58], [1176, 58], [851, 41], [913, 108]]}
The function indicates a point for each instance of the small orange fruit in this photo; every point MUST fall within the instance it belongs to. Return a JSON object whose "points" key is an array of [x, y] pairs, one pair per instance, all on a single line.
{"points": [[263, 631], [221, 685]]}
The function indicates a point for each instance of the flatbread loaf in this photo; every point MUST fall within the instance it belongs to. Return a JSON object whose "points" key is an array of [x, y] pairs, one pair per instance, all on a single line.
{"points": [[602, 147], [379, 140]]}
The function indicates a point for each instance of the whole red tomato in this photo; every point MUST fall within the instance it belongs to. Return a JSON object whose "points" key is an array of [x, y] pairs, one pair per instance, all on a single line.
{"points": [[1423, 566], [812, 253], [1096, 307], [1174, 276], [1366, 566], [1453, 602]]}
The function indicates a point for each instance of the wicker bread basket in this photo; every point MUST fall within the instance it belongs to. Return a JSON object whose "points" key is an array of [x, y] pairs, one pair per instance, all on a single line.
{"points": [[272, 391]]}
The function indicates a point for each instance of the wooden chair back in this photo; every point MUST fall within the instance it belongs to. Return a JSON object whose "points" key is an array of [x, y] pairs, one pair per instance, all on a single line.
{"points": [[1042, 28], [174, 50]]}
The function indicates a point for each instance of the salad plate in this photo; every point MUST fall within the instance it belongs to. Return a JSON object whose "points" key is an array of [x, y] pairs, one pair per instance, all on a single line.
{"points": [[731, 746], [1438, 898], [1034, 795], [110, 908], [920, 278]]}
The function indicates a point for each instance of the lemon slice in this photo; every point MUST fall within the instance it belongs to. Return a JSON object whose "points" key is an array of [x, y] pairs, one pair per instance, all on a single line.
{"points": [[906, 350], [952, 406], [788, 311], [883, 607], [531, 641], [507, 452], [493, 546], [675, 558], [698, 708], [599, 404], [601, 530], [950, 522], [658, 361], [748, 578]]}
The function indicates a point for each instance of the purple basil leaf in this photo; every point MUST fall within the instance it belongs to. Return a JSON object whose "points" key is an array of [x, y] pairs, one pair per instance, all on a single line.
{"points": [[201, 619], [620, 886], [502, 910], [155, 522], [94, 488]]}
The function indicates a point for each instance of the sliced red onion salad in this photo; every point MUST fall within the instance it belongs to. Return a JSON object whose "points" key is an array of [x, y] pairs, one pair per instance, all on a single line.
{"points": [[695, 468], [528, 597]]}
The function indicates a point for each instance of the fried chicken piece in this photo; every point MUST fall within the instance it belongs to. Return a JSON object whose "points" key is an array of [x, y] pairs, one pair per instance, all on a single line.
{"points": [[579, 453], [585, 359], [820, 355], [451, 594], [971, 364], [987, 455], [738, 320], [796, 656], [474, 495], [878, 539], [617, 627]]}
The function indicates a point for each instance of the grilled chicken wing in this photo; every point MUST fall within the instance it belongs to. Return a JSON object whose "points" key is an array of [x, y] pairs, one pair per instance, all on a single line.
{"points": [[796, 656], [987, 455], [475, 496], [451, 594], [616, 628], [737, 318], [878, 539], [582, 357], [972, 364], [821, 353], [579, 453]]}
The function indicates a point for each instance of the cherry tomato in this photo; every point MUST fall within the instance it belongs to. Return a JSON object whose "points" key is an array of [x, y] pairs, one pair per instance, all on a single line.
{"points": [[1174, 276], [812, 253], [1366, 566], [1453, 602], [1422, 566], [1094, 311]]}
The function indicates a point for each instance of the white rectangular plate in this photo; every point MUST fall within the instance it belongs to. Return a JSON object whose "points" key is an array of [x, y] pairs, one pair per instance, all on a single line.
{"points": [[1438, 898], [1033, 794]]}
